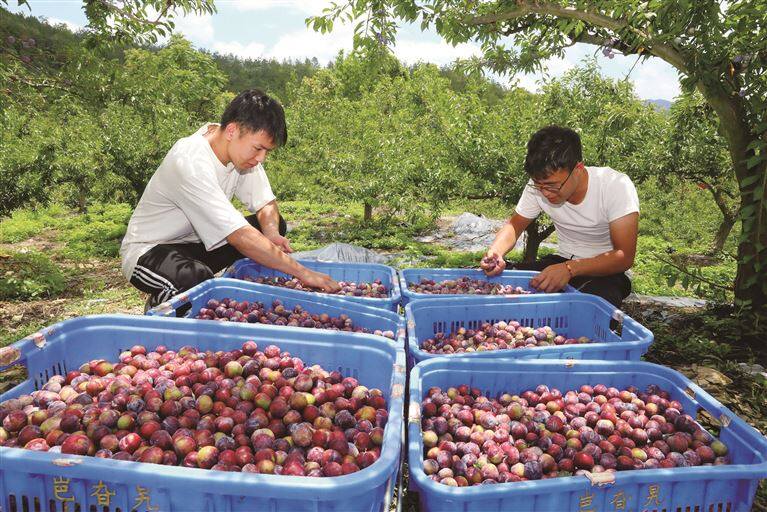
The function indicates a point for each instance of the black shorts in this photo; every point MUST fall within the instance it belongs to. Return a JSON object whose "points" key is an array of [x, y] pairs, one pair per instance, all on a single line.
{"points": [[168, 269]]}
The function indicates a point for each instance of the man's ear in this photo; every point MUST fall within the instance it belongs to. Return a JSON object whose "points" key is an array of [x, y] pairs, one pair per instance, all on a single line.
{"points": [[230, 131]]}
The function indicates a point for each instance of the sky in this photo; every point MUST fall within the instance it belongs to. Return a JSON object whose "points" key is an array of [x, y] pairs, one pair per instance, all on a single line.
{"points": [[276, 29]]}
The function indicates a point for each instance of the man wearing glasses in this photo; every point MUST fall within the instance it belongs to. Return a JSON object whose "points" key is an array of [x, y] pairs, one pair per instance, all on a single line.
{"points": [[595, 211]]}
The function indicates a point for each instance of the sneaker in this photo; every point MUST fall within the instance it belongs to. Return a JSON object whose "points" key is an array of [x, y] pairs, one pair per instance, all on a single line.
{"points": [[151, 302]]}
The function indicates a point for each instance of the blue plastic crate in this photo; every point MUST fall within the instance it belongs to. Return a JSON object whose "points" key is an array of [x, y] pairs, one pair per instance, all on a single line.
{"points": [[357, 272], [47, 481], [364, 316], [620, 337], [507, 277], [703, 489]]}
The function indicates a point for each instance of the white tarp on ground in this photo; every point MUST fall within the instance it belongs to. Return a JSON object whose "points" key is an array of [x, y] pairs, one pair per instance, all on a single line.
{"points": [[342, 252]]}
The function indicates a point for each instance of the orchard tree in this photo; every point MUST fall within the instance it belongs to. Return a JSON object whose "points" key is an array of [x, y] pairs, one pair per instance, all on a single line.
{"points": [[363, 133], [34, 77], [134, 21], [111, 25], [23, 136], [156, 98], [718, 48], [697, 152]]}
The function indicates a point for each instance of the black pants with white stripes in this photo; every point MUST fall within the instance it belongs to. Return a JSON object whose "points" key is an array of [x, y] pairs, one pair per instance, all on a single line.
{"points": [[168, 269]]}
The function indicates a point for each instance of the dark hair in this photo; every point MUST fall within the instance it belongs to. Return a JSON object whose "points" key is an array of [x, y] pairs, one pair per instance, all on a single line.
{"points": [[550, 149], [254, 110]]}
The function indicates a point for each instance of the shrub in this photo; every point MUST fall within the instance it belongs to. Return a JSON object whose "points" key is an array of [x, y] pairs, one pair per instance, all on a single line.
{"points": [[28, 275]]}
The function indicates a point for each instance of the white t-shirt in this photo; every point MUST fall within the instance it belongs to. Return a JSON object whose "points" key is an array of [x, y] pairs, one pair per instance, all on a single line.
{"points": [[583, 229], [188, 200]]}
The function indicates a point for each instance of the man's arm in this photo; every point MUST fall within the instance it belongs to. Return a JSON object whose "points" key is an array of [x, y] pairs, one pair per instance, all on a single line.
{"points": [[505, 240], [269, 220], [623, 233], [256, 246]]}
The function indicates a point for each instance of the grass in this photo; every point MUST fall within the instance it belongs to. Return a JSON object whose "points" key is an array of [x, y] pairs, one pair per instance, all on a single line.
{"points": [[84, 248]]}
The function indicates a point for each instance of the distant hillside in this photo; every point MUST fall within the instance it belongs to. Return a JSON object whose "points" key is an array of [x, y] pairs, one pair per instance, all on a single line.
{"points": [[659, 104], [267, 74]]}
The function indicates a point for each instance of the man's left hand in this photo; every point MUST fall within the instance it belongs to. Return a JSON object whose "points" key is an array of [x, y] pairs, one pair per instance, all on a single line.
{"points": [[281, 242], [551, 279]]}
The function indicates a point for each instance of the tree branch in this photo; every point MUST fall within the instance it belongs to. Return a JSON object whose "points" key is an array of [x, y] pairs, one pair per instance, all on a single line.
{"points": [[720, 202], [45, 84], [664, 51], [125, 12], [482, 196], [694, 276]]}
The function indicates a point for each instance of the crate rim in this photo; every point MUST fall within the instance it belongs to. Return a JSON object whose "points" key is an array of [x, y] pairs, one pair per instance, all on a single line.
{"points": [[27, 344], [167, 308], [226, 482], [395, 291], [468, 272], [468, 300], [572, 483]]}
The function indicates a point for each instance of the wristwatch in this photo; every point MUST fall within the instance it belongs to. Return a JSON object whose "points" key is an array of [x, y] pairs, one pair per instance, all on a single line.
{"points": [[569, 269]]}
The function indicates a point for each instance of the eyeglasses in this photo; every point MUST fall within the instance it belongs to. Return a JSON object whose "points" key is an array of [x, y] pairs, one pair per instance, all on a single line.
{"points": [[552, 188]]}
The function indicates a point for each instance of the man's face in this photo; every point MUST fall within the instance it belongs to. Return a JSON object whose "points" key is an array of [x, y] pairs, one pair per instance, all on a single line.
{"points": [[559, 186], [248, 149]]}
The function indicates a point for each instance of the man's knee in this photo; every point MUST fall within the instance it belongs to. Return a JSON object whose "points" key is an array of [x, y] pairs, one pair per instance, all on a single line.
{"points": [[192, 274]]}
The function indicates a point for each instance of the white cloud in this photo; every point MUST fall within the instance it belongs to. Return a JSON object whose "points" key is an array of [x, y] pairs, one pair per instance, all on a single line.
{"points": [[305, 6], [307, 43], [243, 51], [655, 79], [652, 79], [74, 27], [437, 52], [552, 68], [198, 29]]}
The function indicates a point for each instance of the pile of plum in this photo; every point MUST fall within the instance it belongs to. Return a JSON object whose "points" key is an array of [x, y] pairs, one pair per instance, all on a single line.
{"points": [[230, 310], [248, 410], [470, 439], [497, 336], [465, 286], [374, 290]]}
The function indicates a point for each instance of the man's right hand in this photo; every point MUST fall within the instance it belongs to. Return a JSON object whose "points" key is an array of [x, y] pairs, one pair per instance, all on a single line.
{"points": [[319, 281], [500, 265]]}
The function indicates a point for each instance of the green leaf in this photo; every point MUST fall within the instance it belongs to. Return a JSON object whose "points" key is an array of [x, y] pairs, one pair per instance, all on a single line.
{"points": [[747, 211], [750, 180], [754, 161]]}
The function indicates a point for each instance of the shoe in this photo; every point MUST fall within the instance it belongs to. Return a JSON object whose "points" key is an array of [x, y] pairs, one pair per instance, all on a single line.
{"points": [[151, 302]]}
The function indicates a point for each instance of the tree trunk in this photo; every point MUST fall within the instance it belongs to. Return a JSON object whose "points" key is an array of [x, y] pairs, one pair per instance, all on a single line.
{"points": [[751, 277], [82, 199], [368, 215], [728, 218], [722, 233], [534, 239]]}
